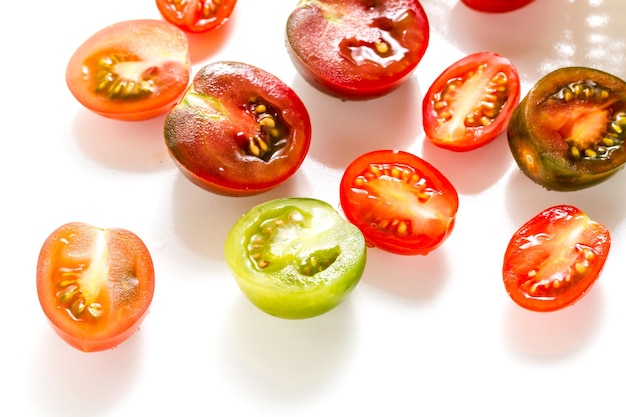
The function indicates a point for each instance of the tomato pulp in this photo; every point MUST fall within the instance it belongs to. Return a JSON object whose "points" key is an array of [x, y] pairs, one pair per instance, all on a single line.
{"points": [[496, 6], [400, 202], [196, 15], [131, 70], [553, 259], [357, 49], [95, 285]]}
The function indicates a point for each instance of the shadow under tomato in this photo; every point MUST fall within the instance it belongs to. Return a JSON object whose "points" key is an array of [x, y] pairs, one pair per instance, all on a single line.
{"points": [[124, 146], [343, 130], [203, 45], [285, 362], [68, 382], [553, 335]]}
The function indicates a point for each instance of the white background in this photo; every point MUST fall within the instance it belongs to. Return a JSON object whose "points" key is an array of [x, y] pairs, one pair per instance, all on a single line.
{"points": [[434, 335]]}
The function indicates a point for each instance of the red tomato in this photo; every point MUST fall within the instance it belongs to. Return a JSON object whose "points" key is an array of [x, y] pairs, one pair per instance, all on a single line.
{"points": [[471, 102], [553, 260], [357, 49], [400, 202], [196, 15], [94, 285], [131, 70], [238, 130], [496, 6]]}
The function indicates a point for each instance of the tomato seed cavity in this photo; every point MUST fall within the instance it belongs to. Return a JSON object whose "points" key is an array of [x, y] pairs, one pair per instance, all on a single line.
{"points": [[272, 132]]}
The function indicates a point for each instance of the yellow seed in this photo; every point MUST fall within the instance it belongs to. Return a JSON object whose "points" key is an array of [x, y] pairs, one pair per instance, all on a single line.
{"points": [[95, 310], [590, 153], [402, 228], [263, 264], [608, 141], [556, 283], [382, 47], [267, 122], [574, 151]]}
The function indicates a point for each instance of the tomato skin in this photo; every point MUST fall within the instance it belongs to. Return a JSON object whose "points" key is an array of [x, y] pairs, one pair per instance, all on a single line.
{"points": [[496, 6], [333, 44], [147, 62], [554, 259], [566, 114], [109, 270], [479, 78], [384, 192], [212, 132], [295, 258], [196, 15]]}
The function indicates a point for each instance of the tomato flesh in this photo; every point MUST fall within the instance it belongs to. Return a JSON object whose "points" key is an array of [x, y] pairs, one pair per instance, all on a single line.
{"points": [[295, 258], [95, 285], [568, 132], [471, 102], [400, 202], [357, 49], [131, 70], [554, 259], [496, 6], [238, 130], [196, 15]]}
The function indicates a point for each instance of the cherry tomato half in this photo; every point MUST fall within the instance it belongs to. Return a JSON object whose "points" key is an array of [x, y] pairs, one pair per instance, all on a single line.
{"points": [[568, 132], [196, 15], [496, 6], [95, 285], [400, 202], [554, 259], [295, 258], [357, 49], [131, 70], [471, 102], [238, 130]]}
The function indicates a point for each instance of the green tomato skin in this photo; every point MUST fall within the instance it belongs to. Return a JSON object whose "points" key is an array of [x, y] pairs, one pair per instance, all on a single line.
{"points": [[281, 289]]}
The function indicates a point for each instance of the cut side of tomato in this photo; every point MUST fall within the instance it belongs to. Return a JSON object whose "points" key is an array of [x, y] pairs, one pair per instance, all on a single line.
{"points": [[95, 285], [356, 49], [496, 6], [471, 102], [568, 132], [131, 70], [400, 202], [554, 259], [238, 130], [196, 15], [295, 258]]}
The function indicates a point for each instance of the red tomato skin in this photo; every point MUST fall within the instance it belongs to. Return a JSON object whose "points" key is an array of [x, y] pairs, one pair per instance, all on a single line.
{"points": [[496, 6], [190, 19], [560, 228], [367, 209], [316, 44], [138, 41], [473, 137], [119, 321]]}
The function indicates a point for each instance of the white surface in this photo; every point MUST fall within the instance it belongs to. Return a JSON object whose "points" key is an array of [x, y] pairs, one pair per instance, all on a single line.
{"points": [[430, 336]]}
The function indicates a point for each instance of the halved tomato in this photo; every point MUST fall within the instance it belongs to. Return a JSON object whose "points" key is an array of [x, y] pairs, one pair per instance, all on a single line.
{"points": [[131, 70], [471, 102], [196, 15], [238, 130], [357, 49], [553, 259], [496, 6], [95, 285], [400, 202]]}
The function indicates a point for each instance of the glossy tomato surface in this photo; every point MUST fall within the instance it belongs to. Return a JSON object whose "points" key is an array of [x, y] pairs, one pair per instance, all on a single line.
{"points": [[553, 259], [95, 285], [471, 102], [238, 130], [196, 15], [357, 49], [400, 202], [568, 132], [130, 70], [295, 258], [496, 6]]}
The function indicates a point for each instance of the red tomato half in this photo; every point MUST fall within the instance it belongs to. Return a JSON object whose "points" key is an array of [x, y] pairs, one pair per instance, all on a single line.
{"points": [[496, 6], [554, 258], [94, 285], [132, 70], [471, 102], [196, 15], [400, 202], [357, 49]]}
